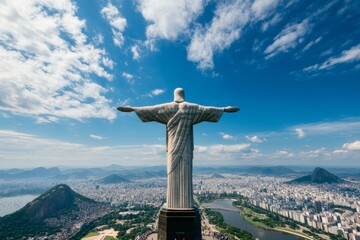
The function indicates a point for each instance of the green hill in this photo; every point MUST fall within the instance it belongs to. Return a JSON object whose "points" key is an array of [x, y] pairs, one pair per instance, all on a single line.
{"points": [[43, 215]]}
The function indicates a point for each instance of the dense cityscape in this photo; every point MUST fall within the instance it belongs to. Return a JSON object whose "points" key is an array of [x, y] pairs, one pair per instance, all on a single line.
{"points": [[333, 208]]}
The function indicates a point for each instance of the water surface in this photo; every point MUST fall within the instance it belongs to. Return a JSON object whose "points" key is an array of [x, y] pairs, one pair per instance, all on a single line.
{"points": [[232, 217], [11, 204]]}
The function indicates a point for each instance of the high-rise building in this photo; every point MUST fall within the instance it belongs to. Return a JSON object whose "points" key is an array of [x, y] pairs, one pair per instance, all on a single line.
{"points": [[318, 207]]}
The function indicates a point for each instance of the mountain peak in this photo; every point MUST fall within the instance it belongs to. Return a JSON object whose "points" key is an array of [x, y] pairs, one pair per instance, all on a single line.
{"points": [[113, 178], [59, 197], [319, 175]]}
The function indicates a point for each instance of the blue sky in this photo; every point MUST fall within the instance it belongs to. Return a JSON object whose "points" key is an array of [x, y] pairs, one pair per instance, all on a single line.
{"points": [[293, 67]]}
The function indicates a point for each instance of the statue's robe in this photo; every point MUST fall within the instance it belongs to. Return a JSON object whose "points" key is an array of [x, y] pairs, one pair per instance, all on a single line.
{"points": [[179, 119]]}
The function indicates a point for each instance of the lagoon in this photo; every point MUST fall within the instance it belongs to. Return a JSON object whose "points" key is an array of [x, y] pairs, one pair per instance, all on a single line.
{"points": [[232, 217]]}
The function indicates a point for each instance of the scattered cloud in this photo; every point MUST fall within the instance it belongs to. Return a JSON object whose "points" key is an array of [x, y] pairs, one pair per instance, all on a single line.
{"points": [[314, 154], [344, 126], [347, 56], [223, 30], [312, 43], [300, 133], [98, 39], [288, 38], [352, 146], [52, 152], [167, 19], [156, 92], [260, 8], [97, 137], [230, 18], [256, 139], [50, 73], [227, 136], [129, 77], [46, 119], [117, 23], [273, 21], [231, 152], [135, 50], [107, 62], [349, 150], [282, 154]]}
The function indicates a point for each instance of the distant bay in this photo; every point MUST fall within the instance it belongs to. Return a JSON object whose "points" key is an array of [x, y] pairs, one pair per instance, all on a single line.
{"points": [[11, 204]]}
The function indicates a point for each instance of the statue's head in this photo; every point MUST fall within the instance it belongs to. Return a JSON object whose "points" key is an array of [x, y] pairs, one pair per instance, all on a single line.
{"points": [[179, 95]]}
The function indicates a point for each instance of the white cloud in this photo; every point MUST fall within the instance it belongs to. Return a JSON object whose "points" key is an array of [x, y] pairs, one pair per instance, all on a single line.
{"points": [[129, 77], [224, 29], [344, 126], [14, 147], [221, 148], [233, 153], [312, 43], [136, 52], [347, 56], [156, 92], [260, 8], [227, 136], [300, 133], [230, 18], [42, 73], [98, 39], [288, 38], [282, 154], [255, 139], [352, 146], [314, 154], [340, 151], [167, 19], [97, 137], [171, 19], [117, 23], [52, 152], [47, 119], [108, 62], [273, 21], [348, 149]]}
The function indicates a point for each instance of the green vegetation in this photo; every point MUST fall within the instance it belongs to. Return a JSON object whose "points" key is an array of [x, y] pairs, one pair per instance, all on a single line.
{"points": [[344, 207], [92, 234], [217, 219], [122, 223], [110, 238], [267, 218], [206, 198]]}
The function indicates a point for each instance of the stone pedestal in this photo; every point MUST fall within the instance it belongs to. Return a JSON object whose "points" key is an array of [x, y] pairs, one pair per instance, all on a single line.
{"points": [[179, 224]]}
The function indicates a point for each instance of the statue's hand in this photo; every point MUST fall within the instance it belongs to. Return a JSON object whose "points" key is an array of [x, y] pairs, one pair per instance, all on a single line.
{"points": [[231, 109], [125, 109]]}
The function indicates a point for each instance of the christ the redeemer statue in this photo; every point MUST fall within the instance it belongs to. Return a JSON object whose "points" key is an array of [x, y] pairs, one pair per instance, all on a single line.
{"points": [[179, 117]]}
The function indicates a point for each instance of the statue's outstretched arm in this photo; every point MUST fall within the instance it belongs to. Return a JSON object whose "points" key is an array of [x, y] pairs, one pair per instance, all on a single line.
{"points": [[126, 109], [231, 109]]}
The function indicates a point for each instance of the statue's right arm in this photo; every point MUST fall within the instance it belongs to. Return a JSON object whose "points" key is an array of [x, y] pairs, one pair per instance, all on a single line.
{"points": [[126, 109]]}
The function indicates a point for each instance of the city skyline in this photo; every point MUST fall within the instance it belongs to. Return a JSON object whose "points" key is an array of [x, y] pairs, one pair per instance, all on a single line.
{"points": [[292, 67]]}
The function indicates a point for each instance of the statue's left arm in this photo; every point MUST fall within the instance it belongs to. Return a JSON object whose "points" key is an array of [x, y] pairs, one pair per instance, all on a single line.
{"points": [[211, 114], [231, 109]]}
